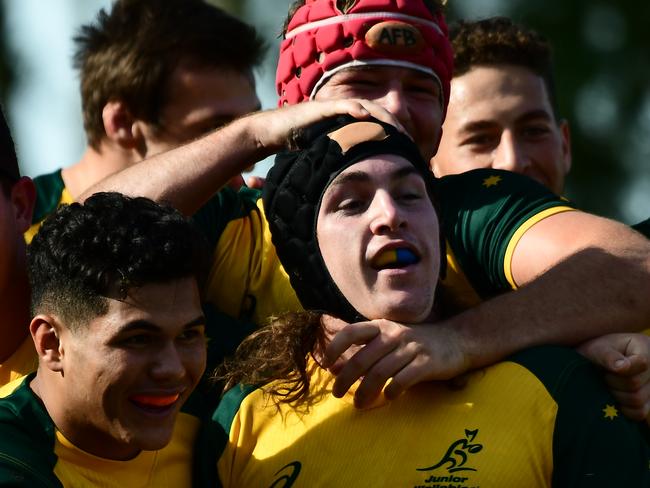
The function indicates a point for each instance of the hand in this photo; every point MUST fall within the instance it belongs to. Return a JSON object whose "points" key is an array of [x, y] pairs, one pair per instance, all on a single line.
{"points": [[278, 129], [404, 354], [256, 182], [626, 359]]}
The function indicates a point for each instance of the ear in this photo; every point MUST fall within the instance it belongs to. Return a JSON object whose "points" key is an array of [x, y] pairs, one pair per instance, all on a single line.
{"points": [[120, 125], [46, 332], [566, 145], [23, 198]]}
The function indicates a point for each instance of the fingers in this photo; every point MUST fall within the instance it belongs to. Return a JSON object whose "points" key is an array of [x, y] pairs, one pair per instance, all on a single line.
{"points": [[635, 404], [362, 364], [352, 334], [380, 373], [256, 182]]}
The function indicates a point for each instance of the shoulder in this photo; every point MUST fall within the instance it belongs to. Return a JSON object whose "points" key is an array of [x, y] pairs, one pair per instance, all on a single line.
{"points": [[226, 206], [555, 366], [489, 186], [49, 188], [26, 440], [231, 403]]}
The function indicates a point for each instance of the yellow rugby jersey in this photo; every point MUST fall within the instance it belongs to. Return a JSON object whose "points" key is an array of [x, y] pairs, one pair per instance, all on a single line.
{"points": [[24, 360], [483, 213], [541, 419], [33, 453], [50, 195]]}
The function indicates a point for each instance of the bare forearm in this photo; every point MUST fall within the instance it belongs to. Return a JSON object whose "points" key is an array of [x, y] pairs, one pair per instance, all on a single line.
{"points": [[187, 176], [589, 294]]}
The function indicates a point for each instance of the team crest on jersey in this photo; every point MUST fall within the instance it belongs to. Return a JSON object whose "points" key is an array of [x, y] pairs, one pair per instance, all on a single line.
{"points": [[455, 467]]}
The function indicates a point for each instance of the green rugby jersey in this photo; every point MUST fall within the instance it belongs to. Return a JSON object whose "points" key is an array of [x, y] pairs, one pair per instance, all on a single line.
{"points": [[483, 214], [643, 227], [50, 194], [33, 453], [543, 418]]}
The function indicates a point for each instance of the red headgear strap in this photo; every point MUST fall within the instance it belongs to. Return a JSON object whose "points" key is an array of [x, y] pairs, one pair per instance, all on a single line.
{"points": [[321, 40]]}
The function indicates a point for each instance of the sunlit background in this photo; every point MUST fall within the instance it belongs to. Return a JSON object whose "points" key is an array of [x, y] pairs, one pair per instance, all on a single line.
{"points": [[602, 57]]}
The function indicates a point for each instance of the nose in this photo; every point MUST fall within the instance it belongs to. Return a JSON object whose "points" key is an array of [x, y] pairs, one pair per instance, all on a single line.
{"points": [[168, 364], [386, 214], [395, 101], [511, 155]]}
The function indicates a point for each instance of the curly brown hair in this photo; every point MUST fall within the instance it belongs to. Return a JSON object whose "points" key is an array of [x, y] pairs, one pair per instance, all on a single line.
{"points": [[276, 353], [499, 41]]}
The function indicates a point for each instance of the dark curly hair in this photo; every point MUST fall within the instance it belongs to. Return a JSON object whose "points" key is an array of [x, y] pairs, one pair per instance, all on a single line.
{"points": [[499, 41], [84, 254], [129, 53]]}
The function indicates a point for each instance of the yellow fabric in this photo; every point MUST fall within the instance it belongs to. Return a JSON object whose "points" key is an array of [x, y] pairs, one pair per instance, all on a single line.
{"points": [[8, 388], [246, 265], [66, 198], [170, 467], [502, 423], [459, 294], [23, 361], [516, 237]]}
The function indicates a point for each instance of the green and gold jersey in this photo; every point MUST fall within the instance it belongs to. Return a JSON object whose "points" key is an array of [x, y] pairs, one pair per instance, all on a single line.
{"points": [[50, 194], [24, 360], [33, 453], [483, 214], [541, 419], [643, 227]]}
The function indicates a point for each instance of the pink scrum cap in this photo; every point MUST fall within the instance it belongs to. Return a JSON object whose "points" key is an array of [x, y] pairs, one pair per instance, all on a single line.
{"points": [[321, 40]]}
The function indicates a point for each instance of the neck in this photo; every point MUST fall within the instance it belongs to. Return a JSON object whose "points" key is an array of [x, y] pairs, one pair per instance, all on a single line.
{"points": [[14, 303], [95, 165], [76, 424]]}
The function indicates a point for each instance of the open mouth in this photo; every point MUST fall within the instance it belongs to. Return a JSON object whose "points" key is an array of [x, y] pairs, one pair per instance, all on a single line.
{"points": [[155, 403], [395, 258]]}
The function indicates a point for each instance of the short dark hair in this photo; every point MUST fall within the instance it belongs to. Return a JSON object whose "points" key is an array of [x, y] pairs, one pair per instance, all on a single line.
{"points": [[434, 7], [499, 41], [111, 244], [129, 53], [9, 172]]}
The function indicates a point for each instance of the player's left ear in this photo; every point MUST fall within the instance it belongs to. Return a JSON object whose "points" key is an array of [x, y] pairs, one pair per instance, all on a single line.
{"points": [[45, 330]]}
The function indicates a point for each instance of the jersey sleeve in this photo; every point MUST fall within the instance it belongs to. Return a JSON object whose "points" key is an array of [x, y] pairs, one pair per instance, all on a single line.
{"points": [[219, 447], [483, 215], [643, 227], [594, 445], [246, 279]]}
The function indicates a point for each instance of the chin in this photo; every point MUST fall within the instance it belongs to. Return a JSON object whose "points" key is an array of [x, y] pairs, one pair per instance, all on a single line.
{"points": [[154, 441]]}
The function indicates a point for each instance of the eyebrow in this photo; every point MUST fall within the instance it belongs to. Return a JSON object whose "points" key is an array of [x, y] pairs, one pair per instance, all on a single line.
{"points": [[151, 327], [363, 176], [479, 125]]}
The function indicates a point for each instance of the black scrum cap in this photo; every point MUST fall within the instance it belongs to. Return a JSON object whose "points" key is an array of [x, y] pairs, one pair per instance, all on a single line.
{"points": [[294, 189]]}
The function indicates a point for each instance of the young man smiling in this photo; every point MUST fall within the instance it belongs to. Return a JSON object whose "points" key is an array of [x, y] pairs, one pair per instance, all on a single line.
{"points": [[119, 332], [331, 51], [367, 246]]}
